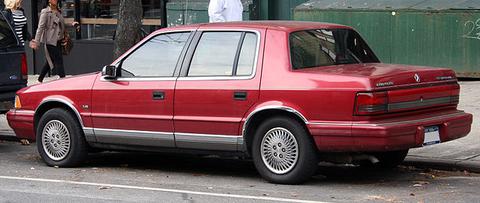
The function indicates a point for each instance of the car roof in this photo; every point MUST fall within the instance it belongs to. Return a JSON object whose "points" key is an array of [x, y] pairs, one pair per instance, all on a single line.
{"points": [[287, 26]]}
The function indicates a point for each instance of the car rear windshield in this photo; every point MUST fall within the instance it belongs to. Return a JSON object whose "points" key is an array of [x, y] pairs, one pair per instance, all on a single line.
{"points": [[325, 47], [7, 37]]}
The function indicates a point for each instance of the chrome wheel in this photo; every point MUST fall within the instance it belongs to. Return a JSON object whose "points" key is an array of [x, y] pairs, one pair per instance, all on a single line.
{"points": [[56, 140], [279, 150]]}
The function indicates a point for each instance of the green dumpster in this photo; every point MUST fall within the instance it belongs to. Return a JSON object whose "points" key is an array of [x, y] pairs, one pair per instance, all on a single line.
{"points": [[439, 33]]}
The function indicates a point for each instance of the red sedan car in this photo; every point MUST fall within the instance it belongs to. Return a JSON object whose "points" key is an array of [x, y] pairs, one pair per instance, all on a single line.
{"points": [[286, 94]]}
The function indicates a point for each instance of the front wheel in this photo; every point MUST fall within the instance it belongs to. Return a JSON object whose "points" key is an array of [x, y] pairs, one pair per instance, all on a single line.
{"points": [[283, 151], [60, 139]]}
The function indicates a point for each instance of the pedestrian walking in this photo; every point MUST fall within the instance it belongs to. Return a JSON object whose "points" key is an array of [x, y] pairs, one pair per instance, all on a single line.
{"points": [[225, 10], [51, 33], [16, 17]]}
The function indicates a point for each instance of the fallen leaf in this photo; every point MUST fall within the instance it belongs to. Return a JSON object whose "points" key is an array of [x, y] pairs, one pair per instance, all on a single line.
{"points": [[24, 142], [412, 194]]}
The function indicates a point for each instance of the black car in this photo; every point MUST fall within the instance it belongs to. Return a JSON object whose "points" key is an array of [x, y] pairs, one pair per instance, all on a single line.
{"points": [[13, 64]]}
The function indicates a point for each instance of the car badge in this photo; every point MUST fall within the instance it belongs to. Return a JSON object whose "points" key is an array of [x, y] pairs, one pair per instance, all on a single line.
{"points": [[416, 77], [13, 77]]}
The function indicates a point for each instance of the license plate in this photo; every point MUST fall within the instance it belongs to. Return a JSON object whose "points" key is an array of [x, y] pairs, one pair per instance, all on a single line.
{"points": [[432, 135]]}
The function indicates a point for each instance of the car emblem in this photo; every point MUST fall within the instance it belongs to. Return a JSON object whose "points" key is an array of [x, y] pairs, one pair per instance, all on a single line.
{"points": [[416, 77]]}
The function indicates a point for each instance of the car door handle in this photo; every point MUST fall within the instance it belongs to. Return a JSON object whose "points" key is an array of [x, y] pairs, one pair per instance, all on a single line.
{"points": [[240, 95], [158, 95]]}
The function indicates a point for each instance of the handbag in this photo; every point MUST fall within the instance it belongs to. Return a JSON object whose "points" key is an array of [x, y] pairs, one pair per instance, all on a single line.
{"points": [[67, 44]]}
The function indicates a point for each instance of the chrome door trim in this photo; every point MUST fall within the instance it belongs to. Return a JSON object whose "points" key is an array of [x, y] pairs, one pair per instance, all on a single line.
{"points": [[208, 141], [134, 137]]}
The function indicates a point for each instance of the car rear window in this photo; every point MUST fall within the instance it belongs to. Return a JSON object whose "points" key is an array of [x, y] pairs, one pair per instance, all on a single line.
{"points": [[325, 47], [7, 37]]}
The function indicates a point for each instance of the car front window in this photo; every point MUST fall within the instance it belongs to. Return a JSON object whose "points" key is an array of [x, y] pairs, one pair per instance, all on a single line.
{"points": [[157, 57], [325, 47]]}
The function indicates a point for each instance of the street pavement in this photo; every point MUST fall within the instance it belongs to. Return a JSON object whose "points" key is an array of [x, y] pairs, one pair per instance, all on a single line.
{"points": [[161, 177], [461, 154]]}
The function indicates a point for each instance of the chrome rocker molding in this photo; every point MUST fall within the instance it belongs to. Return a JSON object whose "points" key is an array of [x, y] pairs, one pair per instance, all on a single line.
{"points": [[133, 137], [208, 142], [163, 139]]}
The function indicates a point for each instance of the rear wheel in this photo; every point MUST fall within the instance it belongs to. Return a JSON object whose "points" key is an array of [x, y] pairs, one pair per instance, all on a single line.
{"points": [[60, 139], [283, 152]]}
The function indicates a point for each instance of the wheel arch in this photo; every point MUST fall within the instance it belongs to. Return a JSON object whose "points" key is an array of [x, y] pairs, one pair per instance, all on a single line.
{"points": [[256, 117], [51, 103]]}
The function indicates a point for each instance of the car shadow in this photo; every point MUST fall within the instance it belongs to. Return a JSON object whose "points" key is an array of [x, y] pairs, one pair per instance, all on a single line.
{"points": [[244, 168]]}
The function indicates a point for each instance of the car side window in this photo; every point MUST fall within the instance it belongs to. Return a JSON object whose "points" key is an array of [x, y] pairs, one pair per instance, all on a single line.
{"points": [[246, 60], [215, 54], [7, 37], [157, 57]]}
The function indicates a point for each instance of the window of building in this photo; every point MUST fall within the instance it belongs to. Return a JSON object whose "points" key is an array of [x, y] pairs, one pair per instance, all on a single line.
{"points": [[324, 47], [219, 54], [98, 18], [156, 58]]}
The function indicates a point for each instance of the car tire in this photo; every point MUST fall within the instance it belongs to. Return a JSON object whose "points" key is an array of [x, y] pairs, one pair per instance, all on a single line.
{"points": [[60, 139], [283, 151]]}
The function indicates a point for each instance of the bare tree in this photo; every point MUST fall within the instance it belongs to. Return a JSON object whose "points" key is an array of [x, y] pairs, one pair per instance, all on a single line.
{"points": [[128, 26]]}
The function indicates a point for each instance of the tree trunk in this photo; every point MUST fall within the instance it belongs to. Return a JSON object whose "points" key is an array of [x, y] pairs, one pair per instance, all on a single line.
{"points": [[128, 27]]}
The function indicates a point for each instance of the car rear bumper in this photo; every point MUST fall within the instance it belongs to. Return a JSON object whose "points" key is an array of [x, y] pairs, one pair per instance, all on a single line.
{"points": [[395, 134], [21, 121]]}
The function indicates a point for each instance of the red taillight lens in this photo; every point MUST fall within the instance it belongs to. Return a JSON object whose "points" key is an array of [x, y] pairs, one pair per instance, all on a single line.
{"points": [[369, 103], [24, 67]]}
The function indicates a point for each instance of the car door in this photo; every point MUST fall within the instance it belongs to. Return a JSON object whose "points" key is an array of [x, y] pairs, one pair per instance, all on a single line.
{"points": [[218, 84], [136, 108]]}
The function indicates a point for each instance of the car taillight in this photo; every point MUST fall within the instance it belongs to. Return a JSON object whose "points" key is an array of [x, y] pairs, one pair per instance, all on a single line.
{"points": [[455, 98], [370, 103], [24, 69]]}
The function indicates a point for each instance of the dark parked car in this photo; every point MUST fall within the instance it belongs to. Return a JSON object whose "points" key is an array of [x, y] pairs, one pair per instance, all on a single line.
{"points": [[286, 94], [13, 65]]}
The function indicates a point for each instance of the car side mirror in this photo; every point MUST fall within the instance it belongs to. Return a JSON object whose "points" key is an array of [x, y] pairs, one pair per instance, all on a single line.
{"points": [[109, 72]]}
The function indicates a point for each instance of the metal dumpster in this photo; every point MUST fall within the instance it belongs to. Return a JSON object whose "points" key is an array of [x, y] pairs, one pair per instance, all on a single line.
{"points": [[440, 33]]}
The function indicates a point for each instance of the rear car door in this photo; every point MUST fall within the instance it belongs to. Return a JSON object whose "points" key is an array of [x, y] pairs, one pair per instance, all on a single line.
{"points": [[137, 107], [13, 65], [219, 82]]}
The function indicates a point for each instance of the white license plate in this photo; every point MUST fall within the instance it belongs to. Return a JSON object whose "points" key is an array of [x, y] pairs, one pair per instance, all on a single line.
{"points": [[432, 135]]}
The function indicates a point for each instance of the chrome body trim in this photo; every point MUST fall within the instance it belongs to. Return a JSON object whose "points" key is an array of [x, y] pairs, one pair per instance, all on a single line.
{"points": [[270, 107], [254, 71], [388, 124], [45, 101], [89, 134], [102, 78], [422, 103], [134, 137], [207, 141]]}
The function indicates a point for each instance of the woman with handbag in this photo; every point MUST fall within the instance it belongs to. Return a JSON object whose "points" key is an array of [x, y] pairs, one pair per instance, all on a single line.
{"points": [[51, 32]]}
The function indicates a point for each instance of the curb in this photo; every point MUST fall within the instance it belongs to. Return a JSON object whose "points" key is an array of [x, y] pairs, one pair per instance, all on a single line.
{"points": [[443, 164]]}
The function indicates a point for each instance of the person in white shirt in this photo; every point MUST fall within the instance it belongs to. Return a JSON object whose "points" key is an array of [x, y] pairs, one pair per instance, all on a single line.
{"points": [[225, 10]]}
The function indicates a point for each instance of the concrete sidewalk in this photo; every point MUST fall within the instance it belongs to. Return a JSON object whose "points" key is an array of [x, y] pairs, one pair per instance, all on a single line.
{"points": [[461, 154]]}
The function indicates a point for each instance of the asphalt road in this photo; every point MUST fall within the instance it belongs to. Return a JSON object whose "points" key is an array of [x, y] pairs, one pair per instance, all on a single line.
{"points": [[152, 177]]}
